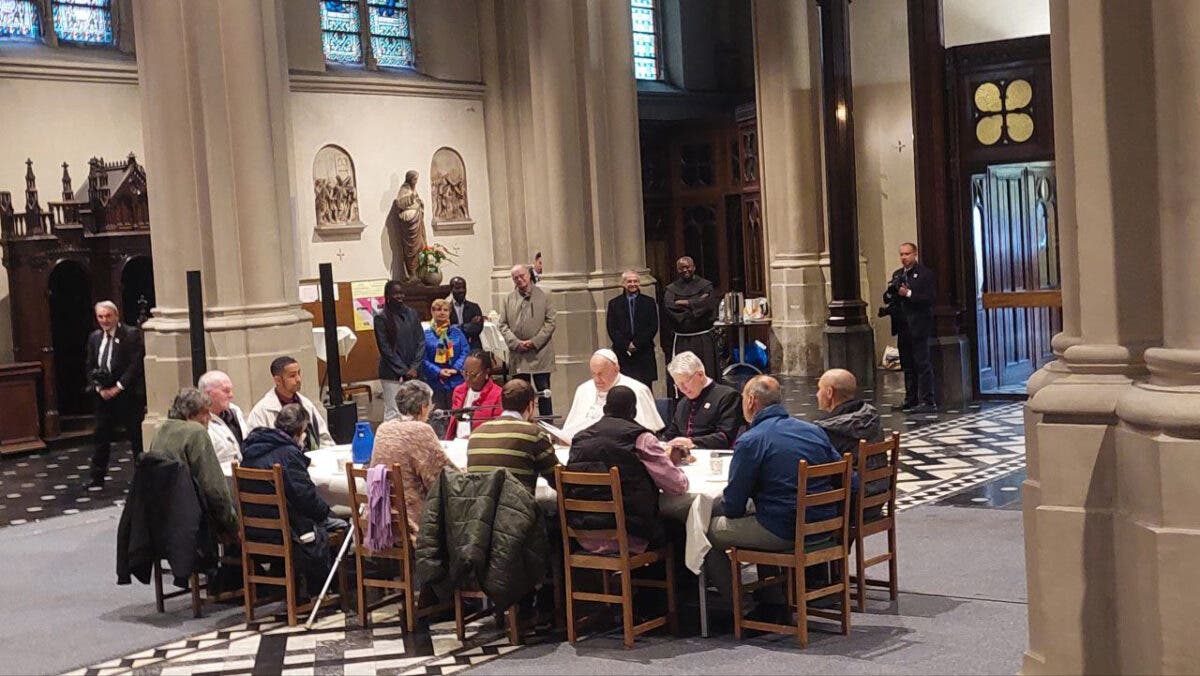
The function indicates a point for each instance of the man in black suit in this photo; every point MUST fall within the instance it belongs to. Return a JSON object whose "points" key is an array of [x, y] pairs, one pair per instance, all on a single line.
{"points": [[909, 300], [632, 325], [114, 368], [465, 314]]}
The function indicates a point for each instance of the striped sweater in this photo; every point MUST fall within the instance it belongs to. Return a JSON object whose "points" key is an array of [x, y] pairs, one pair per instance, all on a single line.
{"points": [[518, 446]]}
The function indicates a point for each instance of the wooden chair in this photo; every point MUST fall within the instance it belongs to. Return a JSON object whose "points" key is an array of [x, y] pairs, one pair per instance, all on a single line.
{"points": [[196, 585], [400, 584], [621, 565], [866, 525], [252, 548], [833, 547]]}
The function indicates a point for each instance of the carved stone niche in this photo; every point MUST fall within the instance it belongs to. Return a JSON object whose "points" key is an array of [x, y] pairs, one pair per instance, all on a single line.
{"points": [[336, 193], [448, 188]]}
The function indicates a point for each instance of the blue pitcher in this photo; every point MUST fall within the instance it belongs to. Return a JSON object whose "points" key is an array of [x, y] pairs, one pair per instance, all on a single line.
{"points": [[364, 442]]}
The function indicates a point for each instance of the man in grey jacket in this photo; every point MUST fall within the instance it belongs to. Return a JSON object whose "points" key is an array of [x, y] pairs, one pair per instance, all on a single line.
{"points": [[527, 324], [848, 420]]}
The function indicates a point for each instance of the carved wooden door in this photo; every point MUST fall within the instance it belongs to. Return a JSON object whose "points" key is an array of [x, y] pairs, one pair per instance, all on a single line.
{"points": [[1016, 242]]}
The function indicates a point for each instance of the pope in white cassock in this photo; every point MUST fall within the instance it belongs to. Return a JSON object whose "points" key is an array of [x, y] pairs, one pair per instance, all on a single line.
{"points": [[588, 406]]}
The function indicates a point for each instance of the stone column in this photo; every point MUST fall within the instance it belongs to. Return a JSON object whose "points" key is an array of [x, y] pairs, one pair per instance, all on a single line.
{"points": [[563, 103], [849, 341], [786, 63], [213, 75], [1075, 444], [1157, 522]]}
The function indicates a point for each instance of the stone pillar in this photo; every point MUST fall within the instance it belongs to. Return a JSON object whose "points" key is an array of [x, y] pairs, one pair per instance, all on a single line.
{"points": [[786, 63], [1077, 544], [213, 75], [849, 341], [561, 117], [1157, 529]]}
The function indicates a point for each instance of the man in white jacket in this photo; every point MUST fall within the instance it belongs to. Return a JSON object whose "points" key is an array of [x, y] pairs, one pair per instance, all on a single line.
{"points": [[286, 372], [588, 405], [227, 428]]}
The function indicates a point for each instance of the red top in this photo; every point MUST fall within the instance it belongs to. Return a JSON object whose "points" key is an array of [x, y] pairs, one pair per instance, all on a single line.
{"points": [[488, 404]]}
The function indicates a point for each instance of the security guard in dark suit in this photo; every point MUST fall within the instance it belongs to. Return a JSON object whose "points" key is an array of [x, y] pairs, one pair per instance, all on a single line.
{"points": [[909, 301]]}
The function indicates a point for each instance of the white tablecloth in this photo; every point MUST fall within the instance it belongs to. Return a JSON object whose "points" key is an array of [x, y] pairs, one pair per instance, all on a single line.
{"points": [[693, 509], [346, 340]]}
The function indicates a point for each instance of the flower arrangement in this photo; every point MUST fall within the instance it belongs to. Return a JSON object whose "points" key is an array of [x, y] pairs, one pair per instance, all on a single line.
{"points": [[429, 258]]}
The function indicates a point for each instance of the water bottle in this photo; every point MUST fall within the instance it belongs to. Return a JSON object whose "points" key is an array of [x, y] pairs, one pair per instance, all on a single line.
{"points": [[364, 442]]}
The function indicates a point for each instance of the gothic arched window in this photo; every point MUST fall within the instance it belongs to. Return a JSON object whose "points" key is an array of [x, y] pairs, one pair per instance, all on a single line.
{"points": [[346, 25], [80, 22], [647, 40]]}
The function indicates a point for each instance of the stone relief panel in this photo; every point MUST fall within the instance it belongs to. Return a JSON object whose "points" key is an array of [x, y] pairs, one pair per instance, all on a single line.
{"points": [[336, 190], [448, 187]]}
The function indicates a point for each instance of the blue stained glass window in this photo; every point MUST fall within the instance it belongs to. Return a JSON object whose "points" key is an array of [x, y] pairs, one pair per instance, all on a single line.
{"points": [[391, 36], [645, 40], [19, 20], [83, 21], [340, 31]]}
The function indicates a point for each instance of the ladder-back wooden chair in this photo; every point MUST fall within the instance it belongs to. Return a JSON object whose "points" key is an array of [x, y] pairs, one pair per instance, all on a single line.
{"points": [[257, 547], [874, 513], [622, 564], [398, 583], [830, 544]]}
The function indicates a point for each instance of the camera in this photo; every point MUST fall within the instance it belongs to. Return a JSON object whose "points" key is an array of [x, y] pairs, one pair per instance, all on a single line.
{"points": [[101, 378]]}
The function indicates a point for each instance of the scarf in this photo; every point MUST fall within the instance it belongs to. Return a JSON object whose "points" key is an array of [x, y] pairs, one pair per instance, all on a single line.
{"points": [[445, 347]]}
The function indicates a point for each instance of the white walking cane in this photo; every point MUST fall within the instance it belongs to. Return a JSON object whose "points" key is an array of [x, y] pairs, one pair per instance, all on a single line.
{"points": [[351, 535]]}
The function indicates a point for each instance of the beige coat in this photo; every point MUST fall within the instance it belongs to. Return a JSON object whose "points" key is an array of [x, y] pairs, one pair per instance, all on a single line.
{"points": [[528, 318]]}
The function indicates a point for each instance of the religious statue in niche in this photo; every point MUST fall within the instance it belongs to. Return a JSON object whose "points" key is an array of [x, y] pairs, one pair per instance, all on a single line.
{"points": [[336, 192], [448, 177], [410, 211]]}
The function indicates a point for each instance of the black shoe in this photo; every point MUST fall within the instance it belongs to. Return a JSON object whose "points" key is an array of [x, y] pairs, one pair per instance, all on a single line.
{"points": [[905, 407], [824, 602], [924, 409], [94, 482]]}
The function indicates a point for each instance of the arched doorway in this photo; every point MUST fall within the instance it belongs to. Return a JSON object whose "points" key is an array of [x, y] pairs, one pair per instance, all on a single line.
{"points": [[137, 290], [71, 321]]}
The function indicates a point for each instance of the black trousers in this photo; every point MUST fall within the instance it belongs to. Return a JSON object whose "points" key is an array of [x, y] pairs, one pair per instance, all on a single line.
{"points": [[125, 410], [540, 381], [918, 369]]}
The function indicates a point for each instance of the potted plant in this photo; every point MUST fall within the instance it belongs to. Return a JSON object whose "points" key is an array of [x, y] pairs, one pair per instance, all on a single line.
{"points": [[429, 263]]}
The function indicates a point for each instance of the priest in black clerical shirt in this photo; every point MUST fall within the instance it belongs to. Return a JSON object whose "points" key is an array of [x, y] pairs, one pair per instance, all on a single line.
{"points": [[709, 415]]}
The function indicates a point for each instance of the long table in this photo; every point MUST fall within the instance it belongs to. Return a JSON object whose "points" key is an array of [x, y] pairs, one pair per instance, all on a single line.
{"points": [[693, 509]]}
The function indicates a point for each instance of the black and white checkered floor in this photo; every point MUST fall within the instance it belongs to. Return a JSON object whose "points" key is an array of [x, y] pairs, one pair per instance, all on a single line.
{"points": [[973, 458]]}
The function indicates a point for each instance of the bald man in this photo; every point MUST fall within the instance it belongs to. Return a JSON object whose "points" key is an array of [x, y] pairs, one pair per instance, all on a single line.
{"points": [[847, 419], [527, 324], [690, 304], [588, 406]]}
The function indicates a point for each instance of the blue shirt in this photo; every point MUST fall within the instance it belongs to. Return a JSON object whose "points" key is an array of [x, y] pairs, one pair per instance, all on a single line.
{"points": [[765, 467]]}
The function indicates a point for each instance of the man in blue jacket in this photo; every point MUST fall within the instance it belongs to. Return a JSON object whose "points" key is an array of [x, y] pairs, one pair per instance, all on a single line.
{"points": [[764, 469]]}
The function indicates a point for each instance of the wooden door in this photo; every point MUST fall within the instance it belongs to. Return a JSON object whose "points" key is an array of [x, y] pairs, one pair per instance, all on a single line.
{"points": [[1016, 243]]}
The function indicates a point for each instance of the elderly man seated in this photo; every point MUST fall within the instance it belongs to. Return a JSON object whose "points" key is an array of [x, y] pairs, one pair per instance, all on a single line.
{"points": [[184, 434], [588, 406], [764, 469], [709, 415], [227, 428]]}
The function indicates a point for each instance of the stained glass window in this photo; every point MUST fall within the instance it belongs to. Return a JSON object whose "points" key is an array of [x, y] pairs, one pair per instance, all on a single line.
{"points": [[645, 40], [86, 22], [391, 38], [19, 20], [340, 27]]}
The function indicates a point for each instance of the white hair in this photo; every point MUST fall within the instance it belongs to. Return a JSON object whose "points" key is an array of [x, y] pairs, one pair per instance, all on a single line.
{"points": [[631, 271], [211, 380], [106, 304], [519, 267], [685, 364]]}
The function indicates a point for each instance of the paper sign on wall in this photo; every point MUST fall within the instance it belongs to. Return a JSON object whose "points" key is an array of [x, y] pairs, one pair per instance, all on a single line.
{"points": [[368, 299]]}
